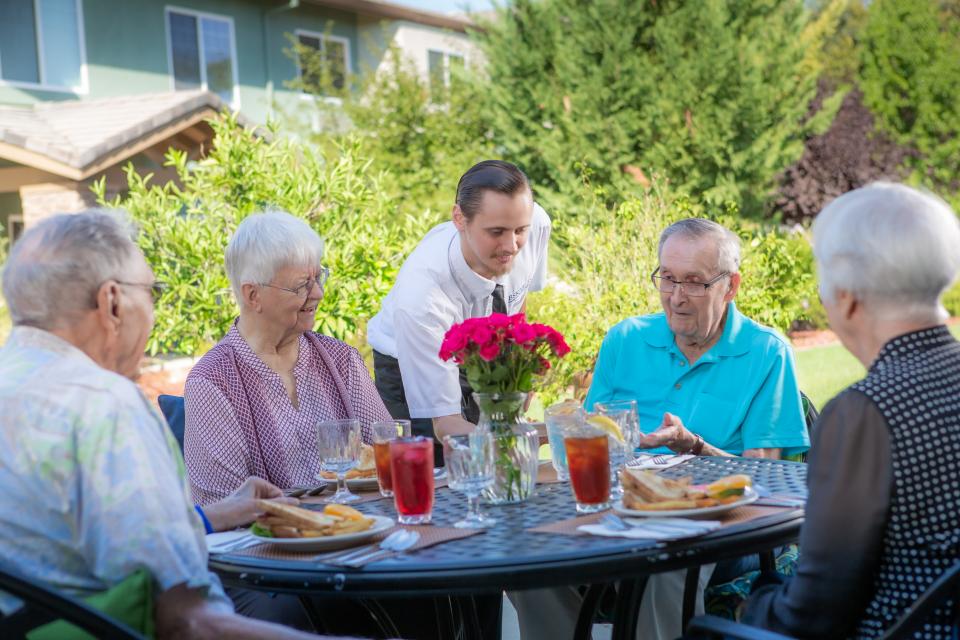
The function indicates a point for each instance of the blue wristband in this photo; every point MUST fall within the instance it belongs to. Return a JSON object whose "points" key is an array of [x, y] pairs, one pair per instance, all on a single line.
{"points": [[206, 523]]}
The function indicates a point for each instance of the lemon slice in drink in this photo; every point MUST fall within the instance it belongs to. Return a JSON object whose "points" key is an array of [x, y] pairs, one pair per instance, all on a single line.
{"points": [[606, 425]]}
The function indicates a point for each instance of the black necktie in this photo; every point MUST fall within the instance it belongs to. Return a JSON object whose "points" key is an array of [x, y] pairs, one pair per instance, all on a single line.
{"points": [[499, 305]]}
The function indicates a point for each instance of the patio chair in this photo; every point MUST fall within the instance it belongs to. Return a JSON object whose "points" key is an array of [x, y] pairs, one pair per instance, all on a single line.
{"points": [[172, 408], [946, 587], [43, 605]]}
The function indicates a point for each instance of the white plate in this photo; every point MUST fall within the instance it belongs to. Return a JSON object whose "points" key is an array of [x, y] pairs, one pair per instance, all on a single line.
{"points": [[327, 543], [749, 496]]}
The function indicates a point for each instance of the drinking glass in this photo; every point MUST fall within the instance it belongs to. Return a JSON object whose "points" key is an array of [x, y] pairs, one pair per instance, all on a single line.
{"points": [[558, 417], [411, 469], [338, 442], [383, 433], [469, 460], [588, 459], [625, 414]]}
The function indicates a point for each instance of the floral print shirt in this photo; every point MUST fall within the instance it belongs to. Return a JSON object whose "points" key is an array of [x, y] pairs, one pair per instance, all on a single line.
{"points": [[93, 483]]}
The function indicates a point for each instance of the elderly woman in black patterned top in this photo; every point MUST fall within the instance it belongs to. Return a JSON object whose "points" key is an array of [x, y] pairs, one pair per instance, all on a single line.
{"points": [[881, 522]]}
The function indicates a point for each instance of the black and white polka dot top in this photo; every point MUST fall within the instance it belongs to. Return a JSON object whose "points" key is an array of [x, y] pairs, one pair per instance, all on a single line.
{"points": [[915, 383]]}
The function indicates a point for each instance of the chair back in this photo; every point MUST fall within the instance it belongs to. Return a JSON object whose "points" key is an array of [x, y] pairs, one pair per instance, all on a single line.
{"points": [[810, 416], [173, 411], [43, 605], [946, 587]]}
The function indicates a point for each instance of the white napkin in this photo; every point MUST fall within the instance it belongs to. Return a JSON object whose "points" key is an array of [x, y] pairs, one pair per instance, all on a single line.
{"points": [[225, 541], [657, 461], [654, 528]]}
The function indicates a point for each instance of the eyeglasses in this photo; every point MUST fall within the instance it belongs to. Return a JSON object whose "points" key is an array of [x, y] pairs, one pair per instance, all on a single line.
{"points": [[304, 290], [692, 289], [156, 288]]}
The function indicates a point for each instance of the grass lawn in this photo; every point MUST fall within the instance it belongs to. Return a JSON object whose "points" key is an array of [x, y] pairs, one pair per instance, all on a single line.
{"points": [[825, 371]]}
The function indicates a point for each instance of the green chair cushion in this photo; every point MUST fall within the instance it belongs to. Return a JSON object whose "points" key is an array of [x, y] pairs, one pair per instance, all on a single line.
{"points": [[129, 602]]}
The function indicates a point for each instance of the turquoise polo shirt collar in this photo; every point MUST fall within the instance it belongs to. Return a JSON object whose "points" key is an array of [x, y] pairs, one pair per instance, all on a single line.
{"points": [[734, 341]]}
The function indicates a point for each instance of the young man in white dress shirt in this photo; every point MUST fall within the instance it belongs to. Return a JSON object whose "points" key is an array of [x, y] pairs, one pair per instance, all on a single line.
{"points": [[485, 260]]}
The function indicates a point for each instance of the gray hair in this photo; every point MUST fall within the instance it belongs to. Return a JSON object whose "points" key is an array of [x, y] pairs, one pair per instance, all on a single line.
{"points": [[266, 242], [728, 243], [894, 246], [56, 267]]}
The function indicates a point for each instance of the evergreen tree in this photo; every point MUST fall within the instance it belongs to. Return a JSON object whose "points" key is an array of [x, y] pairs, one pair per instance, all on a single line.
{"points": [[710, 94], [911, 82]]}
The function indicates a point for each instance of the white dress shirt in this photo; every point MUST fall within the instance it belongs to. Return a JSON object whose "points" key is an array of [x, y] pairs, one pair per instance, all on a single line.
{"points": [[436, 289]]}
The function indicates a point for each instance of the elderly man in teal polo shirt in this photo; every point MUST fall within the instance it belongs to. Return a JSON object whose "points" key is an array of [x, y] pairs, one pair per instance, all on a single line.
{"points": [[716, 382]]}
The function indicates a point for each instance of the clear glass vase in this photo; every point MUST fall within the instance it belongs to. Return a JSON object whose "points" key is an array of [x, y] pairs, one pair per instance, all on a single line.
{"points": [[516, 446]]}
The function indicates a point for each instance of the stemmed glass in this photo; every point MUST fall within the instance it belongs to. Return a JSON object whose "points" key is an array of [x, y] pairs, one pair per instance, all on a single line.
{"points": [[338, 442], [470, 467]]}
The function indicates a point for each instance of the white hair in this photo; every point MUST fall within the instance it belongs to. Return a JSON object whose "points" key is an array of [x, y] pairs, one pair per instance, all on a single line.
{"points": [[266, 242], [728, 243], [895, 247], [56, 267]]}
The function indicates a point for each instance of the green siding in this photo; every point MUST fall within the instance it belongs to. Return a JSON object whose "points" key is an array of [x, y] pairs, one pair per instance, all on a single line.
{"points": [[126, 49]]}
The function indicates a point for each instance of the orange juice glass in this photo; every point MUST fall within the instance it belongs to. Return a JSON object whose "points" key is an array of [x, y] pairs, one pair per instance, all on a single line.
{"points": [[383, 433]]}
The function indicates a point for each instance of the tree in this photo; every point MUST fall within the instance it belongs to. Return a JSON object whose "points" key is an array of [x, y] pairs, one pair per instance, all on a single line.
{"points": [[709, 93], [911, 83]]}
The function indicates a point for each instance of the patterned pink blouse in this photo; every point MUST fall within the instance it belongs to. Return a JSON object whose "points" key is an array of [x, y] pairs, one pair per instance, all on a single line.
{"points": [[240, 421]]}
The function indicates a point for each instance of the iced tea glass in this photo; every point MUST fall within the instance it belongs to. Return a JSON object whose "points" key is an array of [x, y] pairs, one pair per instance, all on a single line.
{"points": [[338, 443], [588, 459], [411, 470], [558, 417], [383, 433]]}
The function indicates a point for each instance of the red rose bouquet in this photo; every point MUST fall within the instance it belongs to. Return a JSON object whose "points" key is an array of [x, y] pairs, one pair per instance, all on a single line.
{"points": [[502, 354]]}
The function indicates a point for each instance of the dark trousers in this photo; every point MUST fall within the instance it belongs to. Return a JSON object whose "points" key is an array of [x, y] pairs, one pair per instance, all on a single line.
{"points": [[409, 618], [386, 373]]}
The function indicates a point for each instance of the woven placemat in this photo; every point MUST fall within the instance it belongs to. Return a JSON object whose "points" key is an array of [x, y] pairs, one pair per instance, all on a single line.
{"points": [[736, 516], [429, 536]]}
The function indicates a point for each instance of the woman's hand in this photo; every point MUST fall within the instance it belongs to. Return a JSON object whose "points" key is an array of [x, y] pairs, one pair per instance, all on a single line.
{"points": [[239, 508]]}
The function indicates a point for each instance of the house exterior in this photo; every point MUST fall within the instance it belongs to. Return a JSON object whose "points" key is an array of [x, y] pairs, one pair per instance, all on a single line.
{"points": [[81, 63]]}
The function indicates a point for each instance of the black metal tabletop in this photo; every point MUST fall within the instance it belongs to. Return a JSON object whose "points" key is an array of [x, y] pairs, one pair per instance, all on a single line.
{"points": [[509, 556]]}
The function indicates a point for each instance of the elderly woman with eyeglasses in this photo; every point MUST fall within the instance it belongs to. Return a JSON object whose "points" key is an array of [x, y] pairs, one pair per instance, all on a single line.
{"points": [[254, 400]]}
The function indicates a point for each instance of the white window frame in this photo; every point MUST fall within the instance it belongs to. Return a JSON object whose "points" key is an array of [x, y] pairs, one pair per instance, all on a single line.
{"points": [[167, 10], [347, 67], [83, 88], [447, 54]]}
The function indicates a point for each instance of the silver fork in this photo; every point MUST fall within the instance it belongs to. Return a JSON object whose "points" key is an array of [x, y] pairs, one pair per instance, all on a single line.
{"points": [[300, 492], [399, 540], [659, 459]]}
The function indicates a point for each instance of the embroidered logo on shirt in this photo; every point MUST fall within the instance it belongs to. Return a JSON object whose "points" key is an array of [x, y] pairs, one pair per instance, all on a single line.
{"points": [[519, 291]]}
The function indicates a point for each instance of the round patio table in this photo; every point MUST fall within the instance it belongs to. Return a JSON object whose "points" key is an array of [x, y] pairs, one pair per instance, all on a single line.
{"points": [[510, 557]]}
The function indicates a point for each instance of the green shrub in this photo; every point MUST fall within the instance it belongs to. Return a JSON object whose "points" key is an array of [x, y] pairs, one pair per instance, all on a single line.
{"points": [[185, 230], [603, 276], [951, 300], [911, 79]]}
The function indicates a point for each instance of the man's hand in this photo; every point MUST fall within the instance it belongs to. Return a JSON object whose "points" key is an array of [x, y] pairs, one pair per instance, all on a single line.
{"points": [[239, 508], [671, 434]]}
